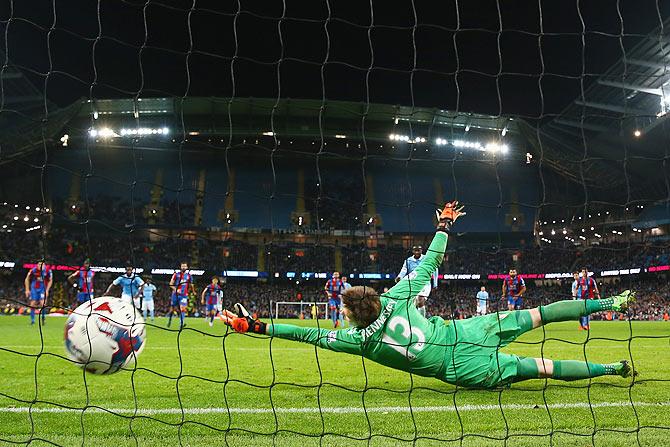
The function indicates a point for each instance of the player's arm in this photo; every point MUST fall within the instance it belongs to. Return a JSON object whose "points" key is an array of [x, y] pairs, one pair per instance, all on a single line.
{"points": [[403, 271], [339, 341], [112, 284], [202, 295], [26, 283], [411, 285], [522, 290], [408, 287], [140, 286], [172, 282], [49, 282], [504, 289], [596, 292], [71, 278]]}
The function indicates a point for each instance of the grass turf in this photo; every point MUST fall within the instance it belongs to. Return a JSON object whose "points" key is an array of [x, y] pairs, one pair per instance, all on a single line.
{"points": [[205, 374]]}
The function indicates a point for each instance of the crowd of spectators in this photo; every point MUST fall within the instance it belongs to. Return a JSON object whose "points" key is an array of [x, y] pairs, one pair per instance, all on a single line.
{"points": [[335, 204], [115, 247], [114, 212], [452, 299], [152, 250], [303, 258], [114, 242]]}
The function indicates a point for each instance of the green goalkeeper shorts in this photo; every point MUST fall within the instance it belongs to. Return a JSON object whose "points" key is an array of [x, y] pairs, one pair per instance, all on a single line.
{"points": [[475, 360]]}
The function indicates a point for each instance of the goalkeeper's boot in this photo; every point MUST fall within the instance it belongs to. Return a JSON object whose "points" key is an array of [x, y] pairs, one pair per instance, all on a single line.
{"points": [[622, 301], [624, 369]]}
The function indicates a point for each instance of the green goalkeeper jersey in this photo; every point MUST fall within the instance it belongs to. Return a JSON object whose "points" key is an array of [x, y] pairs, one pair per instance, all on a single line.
{"points": [[462, 352], [400, 337]]}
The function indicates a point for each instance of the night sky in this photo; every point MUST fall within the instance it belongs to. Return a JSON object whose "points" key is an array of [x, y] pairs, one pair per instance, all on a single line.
{"points": [[446, 54]]}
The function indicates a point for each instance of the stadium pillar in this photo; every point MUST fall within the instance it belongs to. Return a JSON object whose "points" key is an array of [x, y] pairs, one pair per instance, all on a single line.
{"points": [[370, 194], [229, 215], [300, 216], [75, 190], [199, 198], [300, 196], [439, 193], [338, 259], [154, 210], [260, 264]]}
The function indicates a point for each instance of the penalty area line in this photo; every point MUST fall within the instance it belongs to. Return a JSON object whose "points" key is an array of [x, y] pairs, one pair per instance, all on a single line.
{"points": [[331, 410]]}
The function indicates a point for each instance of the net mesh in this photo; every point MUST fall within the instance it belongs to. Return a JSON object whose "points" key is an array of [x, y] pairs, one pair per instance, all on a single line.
{"points": [[154, 132]]}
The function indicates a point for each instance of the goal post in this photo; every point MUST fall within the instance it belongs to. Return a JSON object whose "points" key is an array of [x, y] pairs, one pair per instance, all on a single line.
{"points": [[303, 307]]}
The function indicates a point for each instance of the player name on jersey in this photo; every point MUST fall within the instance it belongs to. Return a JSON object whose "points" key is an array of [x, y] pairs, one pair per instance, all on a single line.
{"points": [[379, 322]]}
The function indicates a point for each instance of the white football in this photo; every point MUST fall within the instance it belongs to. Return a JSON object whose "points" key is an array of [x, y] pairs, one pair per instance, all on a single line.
{"points": [[104, 335]]}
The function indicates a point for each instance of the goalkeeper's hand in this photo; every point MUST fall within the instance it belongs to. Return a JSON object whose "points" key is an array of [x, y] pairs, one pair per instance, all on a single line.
{"points": [[448, 215], [241, 321]]}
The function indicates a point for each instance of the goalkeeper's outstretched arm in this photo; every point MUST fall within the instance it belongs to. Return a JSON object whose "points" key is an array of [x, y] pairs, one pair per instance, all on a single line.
{"points": [[351, 341], [339, 341], [410, 285]]}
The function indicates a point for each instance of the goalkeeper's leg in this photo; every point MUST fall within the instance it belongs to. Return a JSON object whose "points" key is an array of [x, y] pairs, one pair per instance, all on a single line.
{"points": [[568, 310], [537, 368]]}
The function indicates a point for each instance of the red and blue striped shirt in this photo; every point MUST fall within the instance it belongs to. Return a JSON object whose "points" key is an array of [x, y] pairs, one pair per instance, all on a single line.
{"points": [[212, 293], [335, 288], [586, 288], [40, 278], [181, 281], [85, 280]]}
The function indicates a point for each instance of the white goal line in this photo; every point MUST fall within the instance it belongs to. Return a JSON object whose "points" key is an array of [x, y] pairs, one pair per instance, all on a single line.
{"points": [[333, 410]]}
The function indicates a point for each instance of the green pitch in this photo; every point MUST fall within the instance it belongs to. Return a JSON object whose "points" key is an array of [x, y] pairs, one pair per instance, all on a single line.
{"points": [[197, 371]]}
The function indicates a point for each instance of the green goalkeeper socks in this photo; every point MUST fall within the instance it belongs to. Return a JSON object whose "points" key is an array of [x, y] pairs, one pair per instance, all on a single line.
{"points": [[573, 309], [567, 369], [575, 369]]}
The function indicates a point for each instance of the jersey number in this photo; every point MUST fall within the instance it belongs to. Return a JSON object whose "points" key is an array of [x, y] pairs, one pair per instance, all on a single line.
{"points": [[405, 345]]}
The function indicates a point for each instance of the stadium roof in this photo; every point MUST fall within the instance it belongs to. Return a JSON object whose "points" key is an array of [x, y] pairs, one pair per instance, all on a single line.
{"points": [[611, 134], [22, 109], [296, 117], [591, 142]]}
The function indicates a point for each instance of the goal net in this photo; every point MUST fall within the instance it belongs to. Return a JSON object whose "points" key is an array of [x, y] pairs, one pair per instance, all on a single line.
{"points": [[269, 145], [291, 309]]}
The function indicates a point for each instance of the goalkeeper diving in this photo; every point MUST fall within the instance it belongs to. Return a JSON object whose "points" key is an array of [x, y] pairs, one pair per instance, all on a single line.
{"points": [[389, 330]]}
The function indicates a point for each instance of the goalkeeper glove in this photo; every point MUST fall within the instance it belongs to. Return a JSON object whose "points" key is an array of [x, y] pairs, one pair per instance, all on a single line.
{"points": [[241, 321], [448, 215]]}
